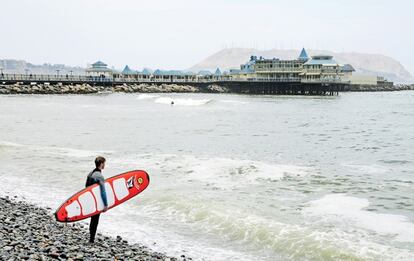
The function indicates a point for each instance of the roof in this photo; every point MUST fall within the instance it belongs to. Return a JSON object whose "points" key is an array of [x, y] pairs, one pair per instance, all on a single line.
{"points": [[217, 72], [127, 70], [99, 64], [347, 68], [322, 60], [322, 57], [303, 56], [247, 69], [204, 72], [169, 73], [235, 71], [146, 71], [98, 69]]}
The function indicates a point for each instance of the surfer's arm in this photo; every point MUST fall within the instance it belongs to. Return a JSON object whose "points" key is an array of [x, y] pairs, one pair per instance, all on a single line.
{"points": [[103, 191]]}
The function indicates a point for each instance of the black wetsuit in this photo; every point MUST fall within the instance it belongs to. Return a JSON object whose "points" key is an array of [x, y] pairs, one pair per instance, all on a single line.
{"points": [[95, 176]]}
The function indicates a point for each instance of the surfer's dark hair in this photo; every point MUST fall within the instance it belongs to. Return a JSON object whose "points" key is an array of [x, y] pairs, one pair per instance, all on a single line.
{"points": [[99, 160]]}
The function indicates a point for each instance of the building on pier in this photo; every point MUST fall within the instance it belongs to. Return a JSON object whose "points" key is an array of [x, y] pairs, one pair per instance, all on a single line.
{"points": [[318, 68], [99, 69], [322, 68]]}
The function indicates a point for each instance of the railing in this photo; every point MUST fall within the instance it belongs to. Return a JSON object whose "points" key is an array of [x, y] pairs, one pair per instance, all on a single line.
{"points": [[52, 78], [325, 80], [322, 71], [154, 79]]}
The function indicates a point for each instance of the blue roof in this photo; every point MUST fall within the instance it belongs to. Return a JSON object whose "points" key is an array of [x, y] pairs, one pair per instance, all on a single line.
{"points": [[127, 70], [303, 55], [204, 72], [146, 71], [234, 71], [217, 72], [321, 60], [247, 69], [158, 72], [347, 68], [170, 72], [99, 64]]}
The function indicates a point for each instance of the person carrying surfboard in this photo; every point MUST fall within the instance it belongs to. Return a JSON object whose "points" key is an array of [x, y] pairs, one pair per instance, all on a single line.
{"points": [[95, 176]]}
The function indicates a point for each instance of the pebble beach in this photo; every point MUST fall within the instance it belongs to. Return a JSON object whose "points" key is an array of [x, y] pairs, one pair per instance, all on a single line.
{"points": [[29, 232]]}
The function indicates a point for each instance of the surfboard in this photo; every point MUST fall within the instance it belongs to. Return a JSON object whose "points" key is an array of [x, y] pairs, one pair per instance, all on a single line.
{"points": [[88, 202]]}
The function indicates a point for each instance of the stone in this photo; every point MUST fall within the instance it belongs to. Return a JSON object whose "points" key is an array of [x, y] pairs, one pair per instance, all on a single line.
{"points": [[36, 236]]}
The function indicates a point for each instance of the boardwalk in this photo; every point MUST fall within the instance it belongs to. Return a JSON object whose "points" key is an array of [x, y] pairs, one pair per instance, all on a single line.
{"points": [[277, 86]]}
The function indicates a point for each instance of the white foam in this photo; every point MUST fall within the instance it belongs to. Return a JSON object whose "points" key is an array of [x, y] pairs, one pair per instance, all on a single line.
{"points": [[145, 96], [182, 102], [222, 172], [234, 102], [10, 144], [75, 153], [350, 209]]}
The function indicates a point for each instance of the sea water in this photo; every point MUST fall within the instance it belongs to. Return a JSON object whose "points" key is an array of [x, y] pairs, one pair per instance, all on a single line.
{"points": [[233, 177]]}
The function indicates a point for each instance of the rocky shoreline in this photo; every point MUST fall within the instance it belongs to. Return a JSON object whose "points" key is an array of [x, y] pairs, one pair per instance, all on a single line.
{"points": [[379, 88], [60, 88], [89, 89], [29, 232]]}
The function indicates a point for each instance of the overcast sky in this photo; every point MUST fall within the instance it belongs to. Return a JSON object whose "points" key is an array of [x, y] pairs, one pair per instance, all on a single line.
{"points": [[177, 34]]}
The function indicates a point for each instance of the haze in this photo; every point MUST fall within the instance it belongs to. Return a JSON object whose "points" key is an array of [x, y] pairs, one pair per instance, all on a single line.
{"points": [[178, 34]]}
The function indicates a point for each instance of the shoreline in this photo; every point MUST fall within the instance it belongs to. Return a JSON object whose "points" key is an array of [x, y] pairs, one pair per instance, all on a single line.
{"points": [[154, 88], [124, 88], [30, 232]]}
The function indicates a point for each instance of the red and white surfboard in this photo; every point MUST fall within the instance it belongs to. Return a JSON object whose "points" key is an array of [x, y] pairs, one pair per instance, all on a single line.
{"points": [[88, 202]]}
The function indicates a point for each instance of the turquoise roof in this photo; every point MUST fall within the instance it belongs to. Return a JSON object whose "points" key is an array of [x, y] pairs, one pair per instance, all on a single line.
{"points": [[321, 60], [99, 64], [204, 72], [171, 72], [217, 72], [146, 71], [347, 68], [303, 55], [127, 70]]}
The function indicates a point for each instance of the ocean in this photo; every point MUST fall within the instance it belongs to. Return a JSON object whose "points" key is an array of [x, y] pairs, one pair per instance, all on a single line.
{"points": [[233, 177]]}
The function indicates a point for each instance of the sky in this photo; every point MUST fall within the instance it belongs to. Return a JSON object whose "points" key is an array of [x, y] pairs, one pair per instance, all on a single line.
{"points": [[170, 34]]}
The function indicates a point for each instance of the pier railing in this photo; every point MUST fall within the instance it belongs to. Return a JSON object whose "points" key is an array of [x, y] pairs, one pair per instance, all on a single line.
{"points": [[35, 78]]}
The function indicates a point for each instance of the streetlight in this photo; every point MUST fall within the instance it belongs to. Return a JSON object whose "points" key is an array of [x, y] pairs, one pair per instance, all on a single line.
{"points": [[26, 70], [57, 73], [71, 73]]}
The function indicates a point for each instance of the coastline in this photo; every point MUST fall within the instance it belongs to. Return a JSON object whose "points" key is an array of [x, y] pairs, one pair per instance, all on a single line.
{"points": [[125, 88], [379, 88], [30, 232], [156, 88]]}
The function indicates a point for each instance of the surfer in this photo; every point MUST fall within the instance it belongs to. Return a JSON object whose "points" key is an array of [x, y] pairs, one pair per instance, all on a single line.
{"points": [[95, 176]]}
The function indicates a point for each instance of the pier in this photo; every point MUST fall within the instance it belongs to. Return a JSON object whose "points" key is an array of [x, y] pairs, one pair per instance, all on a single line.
{"points": [[270, 86]]}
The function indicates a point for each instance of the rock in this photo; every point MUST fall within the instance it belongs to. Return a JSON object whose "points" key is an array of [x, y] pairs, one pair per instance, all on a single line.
{"points": [[54, 254], [7, 248]]}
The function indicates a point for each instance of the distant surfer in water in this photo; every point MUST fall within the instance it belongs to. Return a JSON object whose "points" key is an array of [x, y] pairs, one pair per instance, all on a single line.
{"points": [[95, 176]]}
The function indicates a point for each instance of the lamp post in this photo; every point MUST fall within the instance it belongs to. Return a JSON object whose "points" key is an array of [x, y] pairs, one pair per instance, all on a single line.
{"points": [[26, 70], [57, 73], [71, 73], [1, 72]]}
